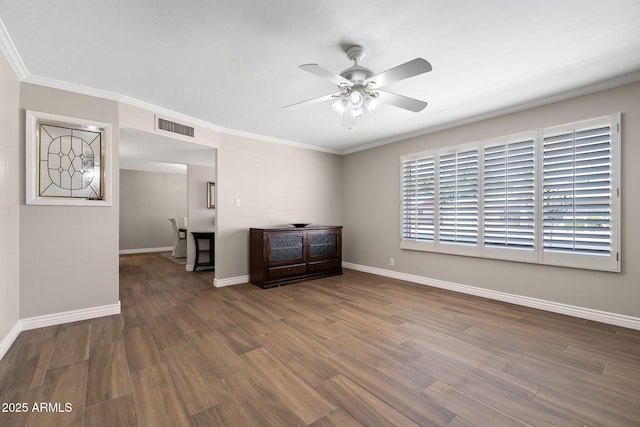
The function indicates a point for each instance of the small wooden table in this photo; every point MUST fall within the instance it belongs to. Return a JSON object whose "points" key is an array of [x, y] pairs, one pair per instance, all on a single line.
{"points": [[204, 235]]}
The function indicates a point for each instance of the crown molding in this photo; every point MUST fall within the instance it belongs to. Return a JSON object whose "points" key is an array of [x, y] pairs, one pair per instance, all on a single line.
{"points": [[71, 87], [11, 53], [98, 93], [585, 90], [207, 125]]}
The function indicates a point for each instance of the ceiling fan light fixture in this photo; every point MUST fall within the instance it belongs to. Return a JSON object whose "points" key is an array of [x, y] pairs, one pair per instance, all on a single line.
{"points": [[356, 113], [356, 98], [371, 103], [340, 105]]}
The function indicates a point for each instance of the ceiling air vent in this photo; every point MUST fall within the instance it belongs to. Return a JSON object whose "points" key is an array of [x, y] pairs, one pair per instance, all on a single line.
{"points": [[175, 127]]}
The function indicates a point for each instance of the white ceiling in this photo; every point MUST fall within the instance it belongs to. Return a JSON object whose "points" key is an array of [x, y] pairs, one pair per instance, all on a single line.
{"points": [[234, 64]]}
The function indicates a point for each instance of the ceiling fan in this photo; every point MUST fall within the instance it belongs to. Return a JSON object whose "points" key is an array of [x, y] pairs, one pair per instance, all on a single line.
{"points": [[361, 90]]}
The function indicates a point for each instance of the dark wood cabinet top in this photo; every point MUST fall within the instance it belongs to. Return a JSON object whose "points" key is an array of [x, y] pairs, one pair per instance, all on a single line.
{"points": [[290, 227]]}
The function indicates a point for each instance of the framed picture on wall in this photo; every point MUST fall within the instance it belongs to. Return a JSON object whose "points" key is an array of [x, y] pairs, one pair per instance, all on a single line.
{"points": [[211, 195], [67, 160]]}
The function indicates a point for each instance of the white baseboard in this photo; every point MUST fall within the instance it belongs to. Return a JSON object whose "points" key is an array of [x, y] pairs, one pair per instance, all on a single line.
{"points": [[570, 310], [219, 283], [145, 250], [55, 319], [69, 316], [9, 339]]}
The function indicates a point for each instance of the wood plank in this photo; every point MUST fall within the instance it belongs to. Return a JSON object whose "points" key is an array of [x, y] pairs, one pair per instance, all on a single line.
{"points": [[118, 412], [258, 402], [227, 413], [456, 376], [507, 394], [311, 367], [105, 330], [72, 345], [63, 388], [141, 348], [307, 403], [108, 373], [166, 332], [157, 402], [469, 408], [565, 403], [336, 418], [414, 406], [186, 319], [27, 365], [361, 405], [197, 385], [219, 356]]}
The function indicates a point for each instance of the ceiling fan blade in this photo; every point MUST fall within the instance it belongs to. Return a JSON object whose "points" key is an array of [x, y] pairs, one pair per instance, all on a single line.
{"points": [[315, 100], [326, 74], [403, 71], [400, 101]]}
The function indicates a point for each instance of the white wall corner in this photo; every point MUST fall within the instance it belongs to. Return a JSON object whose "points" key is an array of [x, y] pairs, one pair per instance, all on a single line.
{"points": [[8, 339], [569, 310]]}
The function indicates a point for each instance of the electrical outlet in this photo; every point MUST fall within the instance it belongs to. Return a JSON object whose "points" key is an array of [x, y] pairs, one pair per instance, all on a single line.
{"points": [[392, 261]]}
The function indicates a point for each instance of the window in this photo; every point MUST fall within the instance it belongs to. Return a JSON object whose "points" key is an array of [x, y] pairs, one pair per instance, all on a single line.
{"points": [[419, 199], [509, 194], [548, 196], [458, 197]]}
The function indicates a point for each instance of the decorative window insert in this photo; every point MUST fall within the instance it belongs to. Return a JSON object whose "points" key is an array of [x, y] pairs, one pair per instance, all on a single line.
{"points": [[67, 161]]}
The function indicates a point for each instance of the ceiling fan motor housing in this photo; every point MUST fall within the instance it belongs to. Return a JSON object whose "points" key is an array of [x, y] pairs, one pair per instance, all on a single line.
{"points": [[356, 74]]}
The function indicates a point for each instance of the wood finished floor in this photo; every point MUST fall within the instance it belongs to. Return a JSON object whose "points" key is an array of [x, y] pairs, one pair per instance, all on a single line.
{"points": [[351, 350]]}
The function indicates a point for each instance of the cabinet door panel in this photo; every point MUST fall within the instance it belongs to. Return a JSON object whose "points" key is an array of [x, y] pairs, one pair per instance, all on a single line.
{"points": [[285, 248], [323, 244]]}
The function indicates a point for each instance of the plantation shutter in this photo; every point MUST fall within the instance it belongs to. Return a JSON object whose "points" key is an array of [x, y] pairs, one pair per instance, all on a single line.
{"points": [[458, 197], [577, 191], [509, 195], [418, 199]]}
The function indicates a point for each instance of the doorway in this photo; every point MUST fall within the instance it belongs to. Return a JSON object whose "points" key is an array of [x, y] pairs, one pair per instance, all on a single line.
{"points": [[163, 177]]}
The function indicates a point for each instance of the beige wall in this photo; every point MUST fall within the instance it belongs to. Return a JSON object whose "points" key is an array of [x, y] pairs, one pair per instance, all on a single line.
{"points": [[147, 200], [68, 254], [371, 212], [9, 200], [275, 184]]}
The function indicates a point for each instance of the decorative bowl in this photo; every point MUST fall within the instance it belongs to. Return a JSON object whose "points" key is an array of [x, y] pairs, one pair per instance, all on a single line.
{"points": [[300, 224]]}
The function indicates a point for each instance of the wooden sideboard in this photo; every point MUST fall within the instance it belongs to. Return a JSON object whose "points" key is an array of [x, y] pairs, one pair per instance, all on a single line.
{"points": [[283, 255]]}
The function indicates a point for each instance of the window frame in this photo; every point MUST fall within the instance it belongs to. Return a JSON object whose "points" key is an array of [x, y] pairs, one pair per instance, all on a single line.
{"points": [[537, 254]]}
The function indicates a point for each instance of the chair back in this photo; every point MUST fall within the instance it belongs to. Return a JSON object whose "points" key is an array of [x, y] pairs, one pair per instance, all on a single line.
{"points": [[174, 228]]}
